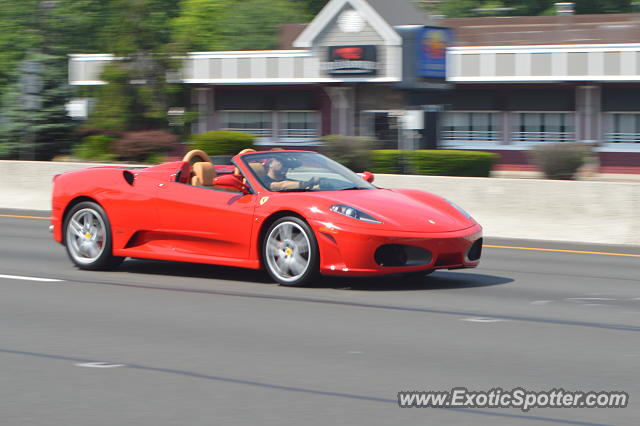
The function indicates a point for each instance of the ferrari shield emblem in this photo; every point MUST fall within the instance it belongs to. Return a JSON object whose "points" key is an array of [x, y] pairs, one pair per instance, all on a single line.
{"points": [[263, 200]]}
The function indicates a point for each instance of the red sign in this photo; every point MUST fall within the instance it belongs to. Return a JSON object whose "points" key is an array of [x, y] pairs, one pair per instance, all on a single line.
{"points": [[348, 53], [353, 60]]}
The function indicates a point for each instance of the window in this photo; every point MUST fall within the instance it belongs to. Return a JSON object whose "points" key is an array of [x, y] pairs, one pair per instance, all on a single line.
{"points": [[459, 127], [258, 123], [292, 126], [622, 127], [299, 126], [532, 127]]}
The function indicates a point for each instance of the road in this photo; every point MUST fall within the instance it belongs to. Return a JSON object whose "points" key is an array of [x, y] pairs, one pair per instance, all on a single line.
{"points": [[186, 344]]}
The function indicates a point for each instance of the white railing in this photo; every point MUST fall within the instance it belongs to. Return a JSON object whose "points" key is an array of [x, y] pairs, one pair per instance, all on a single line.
{"points": [[471, 135], [299, 133], [614, 137], [261, 133], [529, 137]]}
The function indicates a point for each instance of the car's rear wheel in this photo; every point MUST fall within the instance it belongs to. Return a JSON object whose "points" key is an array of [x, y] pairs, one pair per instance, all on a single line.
{"points": [[290, 252], [87, 237]]}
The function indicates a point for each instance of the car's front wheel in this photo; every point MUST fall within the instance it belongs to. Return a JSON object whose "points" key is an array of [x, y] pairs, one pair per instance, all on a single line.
{"points": [[87, 237], [290, 252]]}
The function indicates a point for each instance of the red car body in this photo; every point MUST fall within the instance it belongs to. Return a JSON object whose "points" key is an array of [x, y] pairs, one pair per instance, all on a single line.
{"points": [[154, 215]]}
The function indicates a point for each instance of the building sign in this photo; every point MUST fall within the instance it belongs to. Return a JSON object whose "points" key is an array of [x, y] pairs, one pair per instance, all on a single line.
{"points": [[351, 60], [432, 46]]}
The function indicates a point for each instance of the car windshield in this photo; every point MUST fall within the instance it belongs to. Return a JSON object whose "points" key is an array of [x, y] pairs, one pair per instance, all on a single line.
{"points": [[293, 171]]}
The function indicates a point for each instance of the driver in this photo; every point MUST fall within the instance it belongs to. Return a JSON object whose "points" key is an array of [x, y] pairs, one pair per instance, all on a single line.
{"points": [[276, 178]]}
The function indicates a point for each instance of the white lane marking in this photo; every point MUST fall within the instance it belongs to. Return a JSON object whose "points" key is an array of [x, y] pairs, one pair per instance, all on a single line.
{"points": [[541, 302], [589, 298], [354, 352], [99, 365], [481, 319], [20, 277]]}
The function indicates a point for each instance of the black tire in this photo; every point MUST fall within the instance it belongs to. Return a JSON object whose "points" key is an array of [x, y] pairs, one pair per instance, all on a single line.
{"points": [[285, 259], [85, 221]]}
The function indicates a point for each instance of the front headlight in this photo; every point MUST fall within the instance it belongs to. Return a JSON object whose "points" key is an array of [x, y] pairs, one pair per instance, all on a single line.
{"points": [[354, 213], [460, 209]]}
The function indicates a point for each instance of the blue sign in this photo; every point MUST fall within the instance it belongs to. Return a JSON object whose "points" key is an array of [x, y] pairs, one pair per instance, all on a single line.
{"points": [[432, 46]]}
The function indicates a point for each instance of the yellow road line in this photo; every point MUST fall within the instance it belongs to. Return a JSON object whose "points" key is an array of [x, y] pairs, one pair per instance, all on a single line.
{"points": [[24, 217], [564, 251]]}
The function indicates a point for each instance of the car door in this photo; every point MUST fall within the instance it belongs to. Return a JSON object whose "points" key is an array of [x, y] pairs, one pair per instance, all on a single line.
{"points": [[205, 221]]}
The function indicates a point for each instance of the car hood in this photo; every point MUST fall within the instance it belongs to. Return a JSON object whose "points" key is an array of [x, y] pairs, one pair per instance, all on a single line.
{"points": [[402, 210]]}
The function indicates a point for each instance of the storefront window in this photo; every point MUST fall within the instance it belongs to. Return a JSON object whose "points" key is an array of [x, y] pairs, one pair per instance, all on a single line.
{"points": [[461, 127], [299, 126], [534, 127], [258, 123], [622, 127]]}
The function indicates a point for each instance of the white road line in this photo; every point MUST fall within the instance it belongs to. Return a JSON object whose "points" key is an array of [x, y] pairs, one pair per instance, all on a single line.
{"points": [[20, 277], [589, 298], [99, 365], [541, 302], [481, 319]]}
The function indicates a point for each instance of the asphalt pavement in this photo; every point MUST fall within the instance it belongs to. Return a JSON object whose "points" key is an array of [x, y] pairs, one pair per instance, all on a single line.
{"points": [[162, 343]]}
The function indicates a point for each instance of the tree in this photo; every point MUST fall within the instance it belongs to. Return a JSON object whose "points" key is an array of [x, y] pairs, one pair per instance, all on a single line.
{"points": [[48, 130], [16, 37], [205, 25], [137, 95], [314, 6]]}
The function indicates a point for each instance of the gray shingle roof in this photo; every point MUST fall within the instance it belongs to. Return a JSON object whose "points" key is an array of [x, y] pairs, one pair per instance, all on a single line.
{"points": [[399, 12]]}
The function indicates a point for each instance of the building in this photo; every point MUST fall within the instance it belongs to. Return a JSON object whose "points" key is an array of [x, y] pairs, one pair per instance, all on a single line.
{"points": [[511, 82]]}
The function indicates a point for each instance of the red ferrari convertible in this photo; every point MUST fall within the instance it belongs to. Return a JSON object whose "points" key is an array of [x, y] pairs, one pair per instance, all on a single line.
{"points": [[294, 213]]}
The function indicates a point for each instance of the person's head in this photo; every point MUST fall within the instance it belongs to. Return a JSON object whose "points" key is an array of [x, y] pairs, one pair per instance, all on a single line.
{"points": [[276, 168]]}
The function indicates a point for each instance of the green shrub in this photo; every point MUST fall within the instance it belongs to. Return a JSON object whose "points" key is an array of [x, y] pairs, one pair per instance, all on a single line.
{"points": [[353, 152], [453, 162], [434, 162], [387, 161], [95, 148], [560, 160], [221, 142]]}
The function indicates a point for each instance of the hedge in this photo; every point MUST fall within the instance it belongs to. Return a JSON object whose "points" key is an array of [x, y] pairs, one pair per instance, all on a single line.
{"points": [[434, 162], [221, 142]]}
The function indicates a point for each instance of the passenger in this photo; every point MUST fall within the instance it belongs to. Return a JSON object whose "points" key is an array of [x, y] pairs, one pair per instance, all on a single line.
{"points": [[276, 178]]}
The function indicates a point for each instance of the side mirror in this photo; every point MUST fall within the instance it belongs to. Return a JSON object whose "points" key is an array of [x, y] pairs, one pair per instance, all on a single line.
{"points": [[231, 183], [368, 176]]}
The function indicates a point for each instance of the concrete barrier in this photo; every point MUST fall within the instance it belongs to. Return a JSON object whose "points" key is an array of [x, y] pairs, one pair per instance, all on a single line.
{"points": [[594, 212]]}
